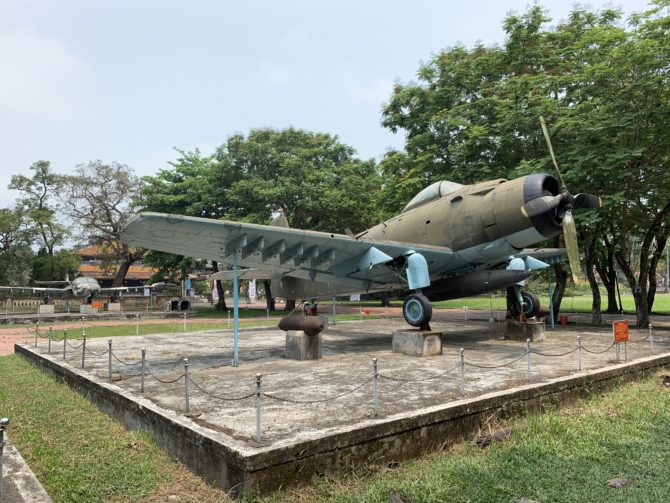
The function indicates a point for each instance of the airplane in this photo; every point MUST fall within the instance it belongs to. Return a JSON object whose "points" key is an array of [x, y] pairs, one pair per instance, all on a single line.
{"points": [[82, 286], [449, 241]]}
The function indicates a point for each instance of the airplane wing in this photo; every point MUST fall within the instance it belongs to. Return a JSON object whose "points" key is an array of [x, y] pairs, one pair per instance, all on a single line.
{"points": [[33, 289], [318, 256], [244, 274]]}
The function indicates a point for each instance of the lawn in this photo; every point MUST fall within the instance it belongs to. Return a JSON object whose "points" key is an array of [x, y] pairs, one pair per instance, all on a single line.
{"points": [[81, 455]]}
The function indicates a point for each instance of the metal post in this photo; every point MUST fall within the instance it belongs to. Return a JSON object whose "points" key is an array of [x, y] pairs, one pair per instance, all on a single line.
{"points": [[579, 352], [651, 339], [236, 310], [37, 332], [3, 424], [186, 385], [51, 332], [109, 358], [465, 313], [375, 395], [551, 303], [360, 312], [462, 372], [83, 351], [228, 322], [184, 321], [334, 310], [83, 324], [528, 356], [144, 355], [618, 353], [267, 313], [258, 407], [64, 342], [625, 350]]}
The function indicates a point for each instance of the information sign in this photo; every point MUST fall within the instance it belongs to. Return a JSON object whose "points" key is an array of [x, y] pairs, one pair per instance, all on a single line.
{"points": [[620, 331]]}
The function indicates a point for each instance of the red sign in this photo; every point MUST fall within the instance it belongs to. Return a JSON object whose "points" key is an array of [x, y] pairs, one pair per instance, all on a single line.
{"points": [[620, 330]]}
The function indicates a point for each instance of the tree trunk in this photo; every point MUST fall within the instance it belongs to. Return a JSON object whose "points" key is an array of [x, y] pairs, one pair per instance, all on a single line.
{"points": [[661, 241], [607, 272], [290, 305], [122, 271], [561, 276], [221, 303], [597, 318], [269, 299]]}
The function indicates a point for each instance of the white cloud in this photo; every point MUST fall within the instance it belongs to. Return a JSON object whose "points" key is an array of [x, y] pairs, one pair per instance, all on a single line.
{"points": [[41, 79]]}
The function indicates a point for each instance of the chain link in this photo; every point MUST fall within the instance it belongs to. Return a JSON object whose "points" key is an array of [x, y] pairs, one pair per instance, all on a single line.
{"points": [[479, 366], [422, 379], [598, 352], [553, 355], [224, 398], [75, 347], [97, 354], [161, 380], [125, 363], [321, 400]]}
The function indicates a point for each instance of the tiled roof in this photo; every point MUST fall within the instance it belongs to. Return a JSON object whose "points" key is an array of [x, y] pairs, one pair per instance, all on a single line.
{"points": [[134, 272]]}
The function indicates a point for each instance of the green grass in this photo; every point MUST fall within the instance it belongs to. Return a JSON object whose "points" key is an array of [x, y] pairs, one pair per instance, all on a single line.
{"points": [[565, 456], [81, 455], [578, 303], [78, 453]]}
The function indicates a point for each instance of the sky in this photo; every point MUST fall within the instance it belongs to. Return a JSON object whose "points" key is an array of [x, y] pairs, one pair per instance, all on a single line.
{"points": [[131, 80]]}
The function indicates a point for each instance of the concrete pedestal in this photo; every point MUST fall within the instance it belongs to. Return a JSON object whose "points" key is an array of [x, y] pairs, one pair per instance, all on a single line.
{"points": [[45, 309], [113, 307], [300, 346], [518, 331], [417, 343]]}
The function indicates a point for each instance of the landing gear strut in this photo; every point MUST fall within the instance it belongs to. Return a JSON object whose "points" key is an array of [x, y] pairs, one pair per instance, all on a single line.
{"points": [[417, 311], [530, 301]]}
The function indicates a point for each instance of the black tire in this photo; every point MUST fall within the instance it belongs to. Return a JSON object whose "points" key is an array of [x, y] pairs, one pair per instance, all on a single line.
{"points": [[531, 305], [417, 310]]}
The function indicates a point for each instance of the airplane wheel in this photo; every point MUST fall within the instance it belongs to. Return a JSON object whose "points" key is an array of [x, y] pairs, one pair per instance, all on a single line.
{"points": [[531, 305], [417, 310]]}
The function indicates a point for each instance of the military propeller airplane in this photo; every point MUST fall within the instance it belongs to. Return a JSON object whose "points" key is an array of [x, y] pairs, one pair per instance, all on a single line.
{"points": [[81, 287], [450, 241]]}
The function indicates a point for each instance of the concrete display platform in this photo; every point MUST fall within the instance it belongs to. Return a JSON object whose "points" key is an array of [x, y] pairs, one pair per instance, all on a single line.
{"points": [[319, 416]]}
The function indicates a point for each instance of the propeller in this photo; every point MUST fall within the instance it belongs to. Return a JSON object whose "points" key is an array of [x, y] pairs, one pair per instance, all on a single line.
{"points": [[565, 201]]}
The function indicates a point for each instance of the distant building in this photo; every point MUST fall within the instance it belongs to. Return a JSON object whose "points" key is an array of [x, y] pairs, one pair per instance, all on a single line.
{"points": [[96, 263]]}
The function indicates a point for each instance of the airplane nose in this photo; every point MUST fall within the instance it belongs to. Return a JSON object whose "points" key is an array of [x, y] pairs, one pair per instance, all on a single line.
{"points": [[542, 200]]}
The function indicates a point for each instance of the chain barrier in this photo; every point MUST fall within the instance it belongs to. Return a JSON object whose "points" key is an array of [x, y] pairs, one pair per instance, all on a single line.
{"points": [[125, 363], [172, 381], [219, 397], [599, 352], [89, 352], [321, 400], [74, 347], [480, 366], [551, 355], [422, 379]]}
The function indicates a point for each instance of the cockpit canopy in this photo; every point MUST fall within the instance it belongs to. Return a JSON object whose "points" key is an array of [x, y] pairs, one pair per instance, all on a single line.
{"points": [[432, 192]]}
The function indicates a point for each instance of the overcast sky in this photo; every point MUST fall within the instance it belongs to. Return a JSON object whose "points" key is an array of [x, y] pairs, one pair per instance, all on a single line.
{"points": [[127, 81]]}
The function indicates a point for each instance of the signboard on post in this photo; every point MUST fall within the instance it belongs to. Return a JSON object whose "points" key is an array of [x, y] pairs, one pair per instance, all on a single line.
{"points": [[620, 331]]}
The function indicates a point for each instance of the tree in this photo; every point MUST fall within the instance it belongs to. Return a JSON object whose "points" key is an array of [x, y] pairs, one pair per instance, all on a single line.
{"points": [[100, 198], [40, 202], [314, 178], [604, 89], [15, 255]]}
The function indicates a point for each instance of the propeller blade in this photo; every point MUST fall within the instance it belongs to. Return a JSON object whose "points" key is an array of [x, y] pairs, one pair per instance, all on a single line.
{"points": [[588, 201], [541, 205], [570, 237], [551, 150]]}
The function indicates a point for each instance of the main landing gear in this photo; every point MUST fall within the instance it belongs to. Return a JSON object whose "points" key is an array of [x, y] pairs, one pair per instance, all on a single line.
{"points": [[417, 311], [519, 298]]}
